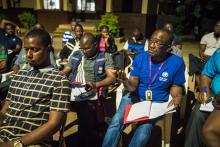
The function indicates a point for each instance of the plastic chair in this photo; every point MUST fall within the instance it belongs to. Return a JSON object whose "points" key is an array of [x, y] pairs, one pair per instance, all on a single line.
{"points": [[165, 123], [58, 137]]}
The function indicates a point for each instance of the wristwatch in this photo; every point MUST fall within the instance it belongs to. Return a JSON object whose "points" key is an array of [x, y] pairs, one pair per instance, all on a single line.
{"points": [[17, 143]]}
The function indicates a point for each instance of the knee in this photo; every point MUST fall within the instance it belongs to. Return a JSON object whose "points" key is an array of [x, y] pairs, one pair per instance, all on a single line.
{"points": [[143, 137], [199, 116], [207, 131], [117, 120]]}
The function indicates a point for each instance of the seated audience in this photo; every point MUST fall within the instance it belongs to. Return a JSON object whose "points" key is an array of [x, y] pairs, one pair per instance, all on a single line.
{"points": [[12, 43], [72, 44], [137, 43], [105, 41], [176, 46], [69, 34], [210, 82], [208, 45], [38, 99], [155, 75], [210, 78]]}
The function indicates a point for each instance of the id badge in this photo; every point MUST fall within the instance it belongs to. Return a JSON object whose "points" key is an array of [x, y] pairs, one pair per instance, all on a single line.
{"points": [[148, 94]]}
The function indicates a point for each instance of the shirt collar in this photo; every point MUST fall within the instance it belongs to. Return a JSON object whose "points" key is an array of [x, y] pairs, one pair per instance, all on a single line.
{"points": [[46, 69]]}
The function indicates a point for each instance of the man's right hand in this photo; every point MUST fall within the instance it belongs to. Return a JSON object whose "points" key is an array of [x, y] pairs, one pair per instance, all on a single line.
{"points": [[121, 76], [203, 97], [203, 57]]}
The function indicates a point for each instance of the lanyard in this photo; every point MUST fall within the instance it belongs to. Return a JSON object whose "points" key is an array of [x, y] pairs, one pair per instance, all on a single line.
{"points": [[156, 74]]}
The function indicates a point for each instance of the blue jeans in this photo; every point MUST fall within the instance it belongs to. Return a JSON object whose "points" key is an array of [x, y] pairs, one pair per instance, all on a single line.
{"points": [[113, 134]]}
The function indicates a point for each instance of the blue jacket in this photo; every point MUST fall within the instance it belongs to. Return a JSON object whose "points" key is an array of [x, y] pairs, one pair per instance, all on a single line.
{"points": [[99, 67]]}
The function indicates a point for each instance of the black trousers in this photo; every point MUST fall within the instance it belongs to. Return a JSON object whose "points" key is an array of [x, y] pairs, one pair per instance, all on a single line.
{"points": [[90, 131], [193, 134]]}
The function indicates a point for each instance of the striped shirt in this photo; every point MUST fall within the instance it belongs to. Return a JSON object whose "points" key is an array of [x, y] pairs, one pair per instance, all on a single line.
{"points": [[67, 36], [33, 94]]}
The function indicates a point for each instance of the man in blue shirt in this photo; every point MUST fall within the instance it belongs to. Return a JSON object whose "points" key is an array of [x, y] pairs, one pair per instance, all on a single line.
{"points": [[154, 74], [209, 79]]}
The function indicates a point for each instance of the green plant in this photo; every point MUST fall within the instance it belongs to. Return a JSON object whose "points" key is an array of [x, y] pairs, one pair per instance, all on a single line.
{"points": [[27, 19], [2, 16], [178, 21], [111, 21]]}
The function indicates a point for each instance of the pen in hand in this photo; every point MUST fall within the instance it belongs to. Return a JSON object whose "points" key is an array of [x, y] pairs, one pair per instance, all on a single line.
{"points": [[205, 93]]}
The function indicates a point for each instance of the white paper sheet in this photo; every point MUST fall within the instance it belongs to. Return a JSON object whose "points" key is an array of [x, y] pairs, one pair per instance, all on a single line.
{"points": [[159, 109], [149, 109], [139, 110], [207, 107], [79, 90]]}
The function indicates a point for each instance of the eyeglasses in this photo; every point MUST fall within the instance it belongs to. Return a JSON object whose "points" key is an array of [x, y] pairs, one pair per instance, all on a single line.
{"points": [[157, 43]]}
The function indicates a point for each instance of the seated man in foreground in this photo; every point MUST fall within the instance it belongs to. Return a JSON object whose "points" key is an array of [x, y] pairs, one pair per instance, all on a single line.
{"points": [[209, 87], [155, 74], [210, 79], [38, 99]]}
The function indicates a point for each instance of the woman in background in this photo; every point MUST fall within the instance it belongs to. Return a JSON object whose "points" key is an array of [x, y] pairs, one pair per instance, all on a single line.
{"points": [[105, 42]]}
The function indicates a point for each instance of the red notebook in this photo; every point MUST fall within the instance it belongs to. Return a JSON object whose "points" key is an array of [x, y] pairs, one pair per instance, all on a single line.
{"points": [[146, 110]]}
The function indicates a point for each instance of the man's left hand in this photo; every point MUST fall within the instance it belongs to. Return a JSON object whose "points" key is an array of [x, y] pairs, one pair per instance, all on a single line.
{"points": [[90, 86], [175, 101]]}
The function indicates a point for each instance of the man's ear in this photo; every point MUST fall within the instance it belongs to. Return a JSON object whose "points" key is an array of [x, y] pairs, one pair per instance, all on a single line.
{"points": [[49, 48]]}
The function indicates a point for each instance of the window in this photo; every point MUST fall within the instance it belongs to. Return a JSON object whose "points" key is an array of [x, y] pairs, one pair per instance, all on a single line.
{"points": [[51, 4], [86, 5]]}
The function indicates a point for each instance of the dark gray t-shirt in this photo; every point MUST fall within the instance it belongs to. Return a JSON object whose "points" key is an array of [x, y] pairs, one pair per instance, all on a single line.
{"points": [[89, 66]]}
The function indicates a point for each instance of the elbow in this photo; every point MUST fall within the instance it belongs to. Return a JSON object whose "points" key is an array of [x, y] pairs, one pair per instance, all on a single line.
{"points": [[54, 126]]}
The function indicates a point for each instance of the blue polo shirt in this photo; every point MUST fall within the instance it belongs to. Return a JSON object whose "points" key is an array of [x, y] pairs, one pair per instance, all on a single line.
{"points": [[172, 73], [136, 47], [212, 70]]}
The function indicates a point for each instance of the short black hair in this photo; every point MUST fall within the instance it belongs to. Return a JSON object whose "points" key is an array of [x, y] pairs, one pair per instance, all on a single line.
{"points": [[104, 27], [170, 36], [79, 25], [88, 38], [12, 25], [43, 35]]}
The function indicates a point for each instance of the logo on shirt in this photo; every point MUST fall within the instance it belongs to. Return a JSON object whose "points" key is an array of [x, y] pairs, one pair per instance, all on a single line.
{"points": [[165, 74], [100, 69], [164, 77]]}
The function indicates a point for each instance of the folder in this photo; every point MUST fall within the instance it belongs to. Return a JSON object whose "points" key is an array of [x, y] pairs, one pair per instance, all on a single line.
{"points": [[146, 110]]}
